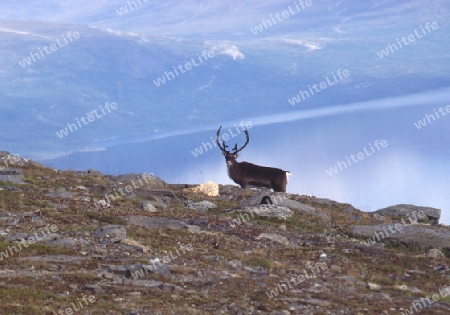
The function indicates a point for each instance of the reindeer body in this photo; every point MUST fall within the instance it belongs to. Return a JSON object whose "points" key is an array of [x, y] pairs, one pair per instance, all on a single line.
{"points": [[245, 173]]}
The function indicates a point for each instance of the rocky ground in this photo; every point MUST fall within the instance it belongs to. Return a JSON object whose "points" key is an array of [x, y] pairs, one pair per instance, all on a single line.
{"points": [[87, 243]]}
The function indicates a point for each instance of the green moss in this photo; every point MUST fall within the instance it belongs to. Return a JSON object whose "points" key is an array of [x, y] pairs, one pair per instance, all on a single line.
{"points": [[32, 250], [9, 201], [35, 179], [445, 299], [21, 301], [446, 251], [259, 261]]}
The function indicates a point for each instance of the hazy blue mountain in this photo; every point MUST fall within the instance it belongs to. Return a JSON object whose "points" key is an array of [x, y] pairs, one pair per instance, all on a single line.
{"points": [[256, 70]]}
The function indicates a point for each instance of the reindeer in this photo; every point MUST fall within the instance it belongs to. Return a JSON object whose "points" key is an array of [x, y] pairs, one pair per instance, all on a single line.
{"points": [[245, 173]]}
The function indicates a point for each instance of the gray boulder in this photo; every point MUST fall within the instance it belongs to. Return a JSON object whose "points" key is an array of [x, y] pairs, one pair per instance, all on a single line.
{"points": [[252, 201], [128, 271], [282, 200], [111, 233], [142, 181], [302, 208], [435, 253], [424, 237], [322, 201], [201, 206], [58, 240], [270, 211], [274, 237], [403, 210], [60, 194], [54, 239], [11, 175], [153, 223]]}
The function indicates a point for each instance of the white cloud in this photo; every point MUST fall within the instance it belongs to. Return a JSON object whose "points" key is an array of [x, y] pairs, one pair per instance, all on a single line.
{"points": [[7, 30], [208, 84], [228, 49], [117, 33], [307, 44]]}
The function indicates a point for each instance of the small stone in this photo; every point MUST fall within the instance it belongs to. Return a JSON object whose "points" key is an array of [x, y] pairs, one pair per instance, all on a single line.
{"points": [[234, 263], [201, 206], [317, 302], [349, 279], [194, 228], [374, 286], [349, 209], [73, 286], [274, 237], [111, 233], [209, 189], [93, 287], [38, 221], [404, 287], [148, 206], [163, 270], [435, 253], [378, 217], [108, 275]]}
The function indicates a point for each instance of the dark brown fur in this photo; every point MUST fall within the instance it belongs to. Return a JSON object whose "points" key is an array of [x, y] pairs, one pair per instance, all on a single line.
{"points": [[245, 173]]}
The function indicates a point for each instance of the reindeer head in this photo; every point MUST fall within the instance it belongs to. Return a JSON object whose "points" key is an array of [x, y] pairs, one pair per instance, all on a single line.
{"points": [[230, 157]]}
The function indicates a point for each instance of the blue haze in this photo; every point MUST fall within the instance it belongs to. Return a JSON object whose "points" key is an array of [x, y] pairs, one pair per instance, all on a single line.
{"points": [[250, 78]]}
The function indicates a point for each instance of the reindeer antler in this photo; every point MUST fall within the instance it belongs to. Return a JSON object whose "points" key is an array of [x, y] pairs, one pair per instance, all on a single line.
{"points": [[248, 139], [224, 146], [218, 143]]}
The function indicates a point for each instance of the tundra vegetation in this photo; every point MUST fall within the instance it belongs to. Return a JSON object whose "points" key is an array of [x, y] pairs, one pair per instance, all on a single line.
{"points": [[228, 270]]}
